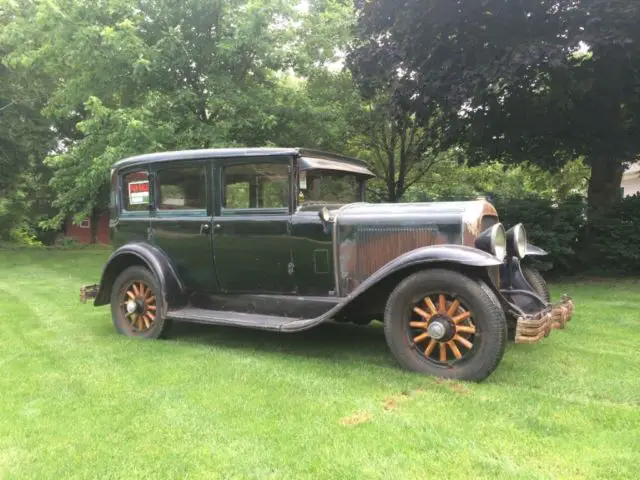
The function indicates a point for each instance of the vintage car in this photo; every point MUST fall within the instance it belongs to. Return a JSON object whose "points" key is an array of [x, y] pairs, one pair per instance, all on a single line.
{"points": [[282, 239]]}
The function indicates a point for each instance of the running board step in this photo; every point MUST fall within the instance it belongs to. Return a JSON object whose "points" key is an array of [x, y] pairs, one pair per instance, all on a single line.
{"points": [[237, 319]]}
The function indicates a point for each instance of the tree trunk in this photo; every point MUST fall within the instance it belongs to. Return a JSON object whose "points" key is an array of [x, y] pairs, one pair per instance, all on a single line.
{"points": [[604, 184]]}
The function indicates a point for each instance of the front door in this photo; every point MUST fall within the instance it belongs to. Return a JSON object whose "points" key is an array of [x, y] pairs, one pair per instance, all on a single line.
{"points": [[251, 231], [181, 225]]}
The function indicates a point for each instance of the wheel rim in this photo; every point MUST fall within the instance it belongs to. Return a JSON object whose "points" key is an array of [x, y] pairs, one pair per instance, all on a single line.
{"points": [[138, 306], [441, 329]]}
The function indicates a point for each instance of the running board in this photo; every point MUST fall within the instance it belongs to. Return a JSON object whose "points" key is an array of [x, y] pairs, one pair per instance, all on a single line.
{"points": [[238, 319]]}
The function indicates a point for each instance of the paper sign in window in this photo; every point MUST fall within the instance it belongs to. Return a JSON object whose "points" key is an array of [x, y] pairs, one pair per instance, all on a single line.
{"points": [[139, 193]]}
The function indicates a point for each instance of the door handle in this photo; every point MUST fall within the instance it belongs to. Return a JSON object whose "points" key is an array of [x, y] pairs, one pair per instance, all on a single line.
{"points": [[204, 228], [217, 227]]}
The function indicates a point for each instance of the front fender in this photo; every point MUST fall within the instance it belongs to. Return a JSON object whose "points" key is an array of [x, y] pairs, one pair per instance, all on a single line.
{"points": [[423, 256], [533, 250], [172, 289], [457, 254]]}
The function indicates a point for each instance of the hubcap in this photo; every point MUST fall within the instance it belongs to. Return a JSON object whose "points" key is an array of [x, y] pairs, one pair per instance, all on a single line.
{"points": [[131, 307], [442, 329], [436, 330]]}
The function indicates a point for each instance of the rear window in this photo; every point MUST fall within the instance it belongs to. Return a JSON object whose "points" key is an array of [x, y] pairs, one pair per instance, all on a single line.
{"points": [[135, 190]]}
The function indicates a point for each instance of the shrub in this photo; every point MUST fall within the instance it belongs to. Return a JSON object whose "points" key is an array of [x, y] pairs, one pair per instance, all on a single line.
{"points": [[609, 243], [552, 226], [66, 242]]}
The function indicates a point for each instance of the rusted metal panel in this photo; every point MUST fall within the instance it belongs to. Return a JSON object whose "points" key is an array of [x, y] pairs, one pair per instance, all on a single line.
{"points": [[369, 236], [533, 328], [367, 249]]}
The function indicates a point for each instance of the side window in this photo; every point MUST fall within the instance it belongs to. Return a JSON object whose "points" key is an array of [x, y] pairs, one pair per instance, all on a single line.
{"points": [[256, 185], [182, 188], [135, 191]]}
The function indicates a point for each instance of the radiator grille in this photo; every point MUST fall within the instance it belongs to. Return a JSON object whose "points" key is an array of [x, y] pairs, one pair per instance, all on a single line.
{"points": [[375, 247]]}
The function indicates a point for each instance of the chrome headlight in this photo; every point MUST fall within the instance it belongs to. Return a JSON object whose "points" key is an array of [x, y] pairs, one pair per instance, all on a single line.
{"points": [[494, 241], [517, 241], [324, 215]]}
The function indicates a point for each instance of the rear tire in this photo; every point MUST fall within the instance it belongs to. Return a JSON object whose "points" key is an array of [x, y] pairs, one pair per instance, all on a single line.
{"points": [[478, 314], [137, 285], [537, 281]]}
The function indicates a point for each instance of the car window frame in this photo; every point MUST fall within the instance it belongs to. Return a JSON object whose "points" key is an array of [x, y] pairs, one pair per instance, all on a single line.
{"points": [[222, 164], [144, 213], [181, 212]]}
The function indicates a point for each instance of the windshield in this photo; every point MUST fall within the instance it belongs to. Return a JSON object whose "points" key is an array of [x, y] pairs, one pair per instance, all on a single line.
{"points": [[327, 186]]}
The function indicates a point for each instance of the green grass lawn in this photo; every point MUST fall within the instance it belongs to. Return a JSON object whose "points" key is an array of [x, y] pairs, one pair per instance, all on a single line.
{"points": [[80, 401]]}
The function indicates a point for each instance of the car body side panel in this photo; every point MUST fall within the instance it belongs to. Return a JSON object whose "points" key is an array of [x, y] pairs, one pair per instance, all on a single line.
{"points": [[253, 253], [312, 249]]}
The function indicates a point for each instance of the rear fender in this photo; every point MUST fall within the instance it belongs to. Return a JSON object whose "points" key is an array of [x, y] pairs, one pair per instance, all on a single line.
{"points": [[172, 290]]}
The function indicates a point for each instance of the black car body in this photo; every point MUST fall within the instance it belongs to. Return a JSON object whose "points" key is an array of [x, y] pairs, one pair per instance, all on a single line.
{"points": [[282, 239]]}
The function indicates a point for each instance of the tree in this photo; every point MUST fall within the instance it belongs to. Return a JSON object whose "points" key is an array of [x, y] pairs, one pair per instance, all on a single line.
{"points": [[395, 144], [544, 81], [130, 78], [25, 138]]}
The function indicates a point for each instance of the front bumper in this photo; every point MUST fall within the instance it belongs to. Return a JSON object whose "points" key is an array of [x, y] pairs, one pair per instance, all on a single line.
{"points": [[533, 328]]}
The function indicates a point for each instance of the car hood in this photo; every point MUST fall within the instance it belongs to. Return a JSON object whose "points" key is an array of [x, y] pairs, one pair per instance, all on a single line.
{"points": [[465, 214]]}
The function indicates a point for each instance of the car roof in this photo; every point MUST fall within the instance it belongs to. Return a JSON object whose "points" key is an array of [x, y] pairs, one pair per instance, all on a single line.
{"points": [[309, 159]]}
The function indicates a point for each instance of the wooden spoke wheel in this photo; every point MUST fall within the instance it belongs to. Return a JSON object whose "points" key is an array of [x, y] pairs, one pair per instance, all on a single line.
{"points": [[136, 306], [444, 323], [442, 329], [139, 306]]}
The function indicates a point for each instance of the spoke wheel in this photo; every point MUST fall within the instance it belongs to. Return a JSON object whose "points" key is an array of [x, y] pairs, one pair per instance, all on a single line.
{"points": [[139, 306], [442, 329], [136, 304], [445, 323]]}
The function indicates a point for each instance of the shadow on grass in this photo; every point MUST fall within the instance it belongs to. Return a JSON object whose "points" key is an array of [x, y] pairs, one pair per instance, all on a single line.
{"points": [[330, 340]]}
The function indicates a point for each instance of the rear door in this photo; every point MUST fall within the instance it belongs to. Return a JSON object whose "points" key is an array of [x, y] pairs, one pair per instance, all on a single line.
{"points": [[181, 226], [252, 226]]}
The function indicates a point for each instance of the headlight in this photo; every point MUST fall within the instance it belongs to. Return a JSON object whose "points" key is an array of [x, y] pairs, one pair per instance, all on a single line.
{"points": [[517, 241], [324, 215], [493, 240]]}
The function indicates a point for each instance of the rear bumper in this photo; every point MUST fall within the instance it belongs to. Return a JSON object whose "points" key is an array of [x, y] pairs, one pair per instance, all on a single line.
{"points": [[88, 291], [533, 328]]}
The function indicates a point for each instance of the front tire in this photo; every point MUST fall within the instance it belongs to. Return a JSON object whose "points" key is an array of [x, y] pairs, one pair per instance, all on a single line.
{"points": [[537, 281], [443, 323], [136, 307]]}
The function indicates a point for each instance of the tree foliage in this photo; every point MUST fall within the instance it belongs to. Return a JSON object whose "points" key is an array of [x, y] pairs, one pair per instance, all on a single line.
{"points": [[396, 146], [25, 139], [543, 81], [166, 74], [449, 93]]}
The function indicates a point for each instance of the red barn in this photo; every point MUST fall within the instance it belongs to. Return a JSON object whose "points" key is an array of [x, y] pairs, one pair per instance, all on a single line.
{"points": [[81, 233]]}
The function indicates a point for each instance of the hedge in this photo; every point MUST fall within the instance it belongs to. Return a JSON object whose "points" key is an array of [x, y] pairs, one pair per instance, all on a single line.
{"points": [[553, 226], [606, 244], [610, 242]]}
